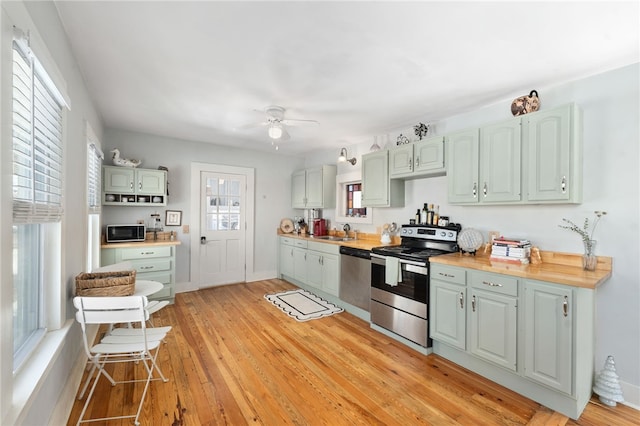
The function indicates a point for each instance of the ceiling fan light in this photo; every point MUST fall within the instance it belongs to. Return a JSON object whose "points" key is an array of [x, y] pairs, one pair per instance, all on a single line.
{"points": [[275, 131]]}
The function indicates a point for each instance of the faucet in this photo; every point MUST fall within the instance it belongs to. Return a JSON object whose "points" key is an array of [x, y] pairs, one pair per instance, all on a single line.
{"points": [[346, 228]]}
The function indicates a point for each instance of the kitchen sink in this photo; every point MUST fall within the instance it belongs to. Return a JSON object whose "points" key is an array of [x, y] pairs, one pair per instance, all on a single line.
{"points": [[334, 238]]}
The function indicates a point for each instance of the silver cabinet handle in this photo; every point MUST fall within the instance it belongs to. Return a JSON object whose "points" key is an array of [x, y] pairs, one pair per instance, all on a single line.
{"points": [[291, 252], [446, 275], [484, 189], [140, 185], [131, 185], [143, 253], [475, 189], [473, 303], [489, 283], [417, 161], [146, 267], [461, 300], [305, 256], [563, 184], [565, 306]]}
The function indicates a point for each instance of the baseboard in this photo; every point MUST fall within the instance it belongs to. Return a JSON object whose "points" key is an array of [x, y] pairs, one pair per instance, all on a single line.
{"points": [[262, 275], [631, 395]]}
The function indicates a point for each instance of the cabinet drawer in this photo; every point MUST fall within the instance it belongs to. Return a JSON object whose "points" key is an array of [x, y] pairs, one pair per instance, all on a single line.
{"points": [[164, 277], [152, 265], [495, 283], [324, 247], [448, 274], [300, 243], [145, 252], [287, 241]]}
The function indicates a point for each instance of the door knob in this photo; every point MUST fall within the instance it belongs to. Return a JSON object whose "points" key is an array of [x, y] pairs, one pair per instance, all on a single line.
{"points": [[203, 240]]}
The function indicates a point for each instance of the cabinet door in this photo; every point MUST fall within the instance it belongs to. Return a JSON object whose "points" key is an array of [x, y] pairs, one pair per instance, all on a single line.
{"points": [[314, 188], [548, 332], [286, 260], [151, 182], [375, 179], [500, 160], [314, 269], [298, 189], [120, 180], [463, 150], [550, 177], [401, 160], [331, 274], [447, 318], [300, 264], [429, 155], [492, 328]]}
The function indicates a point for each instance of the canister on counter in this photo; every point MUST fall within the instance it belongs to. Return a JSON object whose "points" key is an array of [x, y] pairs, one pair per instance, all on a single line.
{"points": [[443, 221]]}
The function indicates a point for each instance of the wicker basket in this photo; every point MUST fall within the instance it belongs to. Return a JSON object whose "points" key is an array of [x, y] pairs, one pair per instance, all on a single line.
{"points": [[118, 283]]}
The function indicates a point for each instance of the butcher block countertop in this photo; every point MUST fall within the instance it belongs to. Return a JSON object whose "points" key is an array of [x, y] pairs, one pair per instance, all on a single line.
{"points": [[557, 268], [363, 241], [146, 243]]}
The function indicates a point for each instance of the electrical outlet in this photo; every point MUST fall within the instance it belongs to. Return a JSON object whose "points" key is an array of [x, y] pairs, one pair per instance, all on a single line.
{"points": [[185, 229], [493, 235]]}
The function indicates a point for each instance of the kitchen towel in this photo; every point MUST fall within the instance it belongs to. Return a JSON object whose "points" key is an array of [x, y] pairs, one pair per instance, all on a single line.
{"points": [[393, 272]]}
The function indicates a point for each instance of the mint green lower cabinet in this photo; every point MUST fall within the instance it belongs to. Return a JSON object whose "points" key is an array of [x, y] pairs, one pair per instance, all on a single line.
{"points": [[151, 262], [447, 306], [548, 331], [309, 263], [493, 327], [533, 337], [286, 256]]}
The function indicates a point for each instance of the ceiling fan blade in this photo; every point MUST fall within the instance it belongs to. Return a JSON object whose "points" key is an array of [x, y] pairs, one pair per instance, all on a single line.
{"points": [[299, 122], [285, 135]]}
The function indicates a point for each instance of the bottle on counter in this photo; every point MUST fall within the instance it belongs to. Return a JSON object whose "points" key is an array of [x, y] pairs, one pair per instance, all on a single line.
{"points": [[423, 215], [430, 215], [418, 216], [436, 215]]}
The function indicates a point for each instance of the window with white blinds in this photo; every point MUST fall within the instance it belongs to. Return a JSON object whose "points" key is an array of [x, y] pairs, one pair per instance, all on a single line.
{"points": [[94, 178], [37, 142]]}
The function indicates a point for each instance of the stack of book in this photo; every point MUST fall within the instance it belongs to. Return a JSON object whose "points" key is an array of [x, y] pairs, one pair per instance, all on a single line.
{"points": [[511, 250]]}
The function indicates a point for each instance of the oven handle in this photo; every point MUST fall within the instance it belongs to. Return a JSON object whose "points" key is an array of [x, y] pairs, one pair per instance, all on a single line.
{"points": [[380, 260]]}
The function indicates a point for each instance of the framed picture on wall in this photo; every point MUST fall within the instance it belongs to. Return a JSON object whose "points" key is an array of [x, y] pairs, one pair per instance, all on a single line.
{"points": [[173, 218]]}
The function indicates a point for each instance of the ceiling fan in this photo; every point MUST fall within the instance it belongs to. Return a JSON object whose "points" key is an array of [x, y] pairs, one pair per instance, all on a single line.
{"points": [[277, 123]]}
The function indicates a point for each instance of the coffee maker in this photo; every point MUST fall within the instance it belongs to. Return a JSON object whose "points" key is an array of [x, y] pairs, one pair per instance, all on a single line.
{"points": [[312, 215]]}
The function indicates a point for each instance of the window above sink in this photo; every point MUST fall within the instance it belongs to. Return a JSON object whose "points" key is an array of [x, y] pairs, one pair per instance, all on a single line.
{"points": [[343, 181]]}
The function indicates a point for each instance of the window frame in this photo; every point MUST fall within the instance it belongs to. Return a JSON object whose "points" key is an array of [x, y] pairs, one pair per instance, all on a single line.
{"points": [[342, 181]]}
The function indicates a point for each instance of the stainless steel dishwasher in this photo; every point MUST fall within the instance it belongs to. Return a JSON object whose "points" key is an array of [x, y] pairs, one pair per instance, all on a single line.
{"points": [[355, 277]]}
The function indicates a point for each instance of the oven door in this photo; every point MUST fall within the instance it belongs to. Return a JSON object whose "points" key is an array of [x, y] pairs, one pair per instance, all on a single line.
{"points": [[415, 278]]}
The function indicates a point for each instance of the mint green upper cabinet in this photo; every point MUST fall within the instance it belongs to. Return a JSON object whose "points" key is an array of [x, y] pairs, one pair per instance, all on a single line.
{"points": [[119, 179], [378, 190], [463, 152], [314, 188], [554, 160], [500, 152], [125, 186], [419, 159]]}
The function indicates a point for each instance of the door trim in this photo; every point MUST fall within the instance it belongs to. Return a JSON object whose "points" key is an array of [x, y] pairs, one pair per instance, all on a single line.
{"points": [[196, 169]]}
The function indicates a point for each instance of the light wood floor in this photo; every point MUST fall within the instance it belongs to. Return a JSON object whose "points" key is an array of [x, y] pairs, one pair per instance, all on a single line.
{"points": [[235, 359]]}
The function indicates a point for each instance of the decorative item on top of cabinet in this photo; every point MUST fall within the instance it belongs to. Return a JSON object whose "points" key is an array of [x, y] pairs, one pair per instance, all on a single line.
{"points": [[123, 162], [421, 130], [525, 104]]}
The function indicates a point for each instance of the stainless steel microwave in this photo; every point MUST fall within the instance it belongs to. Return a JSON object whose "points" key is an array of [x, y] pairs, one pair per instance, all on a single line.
{"points": [[125, 233]]}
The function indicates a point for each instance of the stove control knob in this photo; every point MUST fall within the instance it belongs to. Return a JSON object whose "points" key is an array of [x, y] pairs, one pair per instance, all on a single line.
{"points": [[443, 234], [451, 234]]}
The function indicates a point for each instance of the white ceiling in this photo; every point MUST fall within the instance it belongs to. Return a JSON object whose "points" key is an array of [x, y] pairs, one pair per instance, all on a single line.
{"points": [[200, 70]]}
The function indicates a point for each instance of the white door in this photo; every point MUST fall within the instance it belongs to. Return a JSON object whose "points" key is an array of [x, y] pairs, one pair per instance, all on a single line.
{"points": [[222, 228]]}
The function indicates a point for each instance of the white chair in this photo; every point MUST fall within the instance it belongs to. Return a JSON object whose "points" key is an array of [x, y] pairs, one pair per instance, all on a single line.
{"points": [[139, 345]]}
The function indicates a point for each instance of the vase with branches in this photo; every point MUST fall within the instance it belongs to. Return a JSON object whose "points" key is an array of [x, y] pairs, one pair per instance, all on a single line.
{"points": [[589, 259]]}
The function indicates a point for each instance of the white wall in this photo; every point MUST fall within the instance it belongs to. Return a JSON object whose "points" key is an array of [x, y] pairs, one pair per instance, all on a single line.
{"points": [[611, 117], [272, 189]]}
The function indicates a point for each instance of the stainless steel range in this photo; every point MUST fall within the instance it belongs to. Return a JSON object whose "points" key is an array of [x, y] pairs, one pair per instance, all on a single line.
{"points": [[400, 279]]}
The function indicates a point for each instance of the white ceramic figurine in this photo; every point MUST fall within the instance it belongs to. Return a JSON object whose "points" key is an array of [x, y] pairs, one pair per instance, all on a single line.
{"points": [[125, 162]]}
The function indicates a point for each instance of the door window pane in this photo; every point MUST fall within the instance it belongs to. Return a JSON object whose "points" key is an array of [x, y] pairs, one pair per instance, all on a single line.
{"points": [[223, 204]]}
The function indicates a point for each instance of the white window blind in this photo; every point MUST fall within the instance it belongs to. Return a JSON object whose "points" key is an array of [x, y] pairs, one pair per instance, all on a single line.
{"points": [[94, 180], [37, 142]]}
